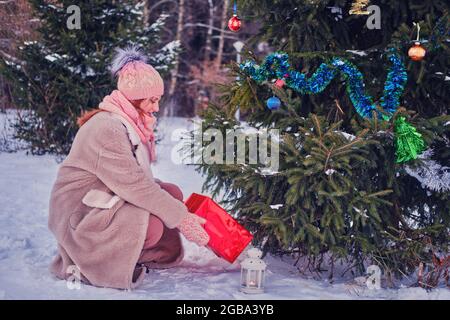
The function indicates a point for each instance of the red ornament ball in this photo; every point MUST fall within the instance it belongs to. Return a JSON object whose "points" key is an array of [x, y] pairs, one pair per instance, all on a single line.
{"points": [[234, 24], [417, 52], [279, 83]]}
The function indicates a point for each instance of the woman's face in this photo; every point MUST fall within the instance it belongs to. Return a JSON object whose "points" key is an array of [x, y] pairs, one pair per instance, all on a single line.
{"points": [[150, 104]]}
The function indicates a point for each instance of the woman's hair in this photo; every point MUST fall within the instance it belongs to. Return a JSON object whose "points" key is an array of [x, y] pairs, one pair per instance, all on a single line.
{"points": [[86, 115]]}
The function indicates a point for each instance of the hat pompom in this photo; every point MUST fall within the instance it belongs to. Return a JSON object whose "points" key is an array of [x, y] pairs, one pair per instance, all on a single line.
{"points": [[124, 56]]}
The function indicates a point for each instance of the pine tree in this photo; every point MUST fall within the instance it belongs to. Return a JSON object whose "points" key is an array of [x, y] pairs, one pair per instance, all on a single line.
{"points": [[339, 192], [66, 71]]}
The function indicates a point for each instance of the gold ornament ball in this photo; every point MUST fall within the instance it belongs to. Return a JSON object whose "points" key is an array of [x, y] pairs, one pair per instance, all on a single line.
{"points": [[417, 52]]}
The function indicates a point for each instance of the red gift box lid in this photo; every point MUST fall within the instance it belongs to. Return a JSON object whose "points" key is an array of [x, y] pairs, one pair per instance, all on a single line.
{"points": [[227, 237]]}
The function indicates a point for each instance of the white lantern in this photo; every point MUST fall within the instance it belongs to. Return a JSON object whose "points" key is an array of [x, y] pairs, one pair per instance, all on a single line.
{"points": [[253, 271]]}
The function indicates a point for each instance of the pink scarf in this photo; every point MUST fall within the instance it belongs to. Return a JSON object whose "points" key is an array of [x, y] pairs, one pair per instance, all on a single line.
{"points": [[117, 103]]}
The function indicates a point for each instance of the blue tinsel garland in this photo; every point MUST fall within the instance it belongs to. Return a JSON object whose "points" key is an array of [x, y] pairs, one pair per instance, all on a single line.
{"points": [[276, 66]]}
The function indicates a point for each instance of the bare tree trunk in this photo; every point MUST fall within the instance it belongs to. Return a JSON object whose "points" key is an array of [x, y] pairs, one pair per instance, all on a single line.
{"points": [[146, 13], [174, 72], [223, 25], [2, 96], [210, 32]]}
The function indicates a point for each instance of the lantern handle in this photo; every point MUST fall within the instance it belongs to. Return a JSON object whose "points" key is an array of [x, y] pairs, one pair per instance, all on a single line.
{"points": [[417, 25]]}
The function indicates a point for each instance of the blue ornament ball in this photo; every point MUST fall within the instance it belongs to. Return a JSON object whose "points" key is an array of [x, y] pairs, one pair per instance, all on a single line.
{"points": [[273, 103]]}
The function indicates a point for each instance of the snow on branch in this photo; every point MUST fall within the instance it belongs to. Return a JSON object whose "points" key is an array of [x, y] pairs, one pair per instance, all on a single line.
{"points": [[431, 174]]}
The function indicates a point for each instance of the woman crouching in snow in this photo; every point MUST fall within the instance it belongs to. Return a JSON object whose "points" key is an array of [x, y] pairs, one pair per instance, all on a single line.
{"points": [[111, 218]]}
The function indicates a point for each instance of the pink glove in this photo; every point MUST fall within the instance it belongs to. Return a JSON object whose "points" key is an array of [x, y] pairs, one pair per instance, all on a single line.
{"points": [[191, 227]]}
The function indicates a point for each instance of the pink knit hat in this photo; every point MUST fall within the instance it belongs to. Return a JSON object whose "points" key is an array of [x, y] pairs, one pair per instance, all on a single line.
{"points": [[136, 79]]}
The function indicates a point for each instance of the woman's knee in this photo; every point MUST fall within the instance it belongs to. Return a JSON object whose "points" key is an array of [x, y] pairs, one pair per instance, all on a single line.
{"points": [[155, 231], [173, 190]]}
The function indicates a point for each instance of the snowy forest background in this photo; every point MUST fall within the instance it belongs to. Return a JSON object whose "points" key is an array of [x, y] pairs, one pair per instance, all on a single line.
{"points": [[198, 25]]}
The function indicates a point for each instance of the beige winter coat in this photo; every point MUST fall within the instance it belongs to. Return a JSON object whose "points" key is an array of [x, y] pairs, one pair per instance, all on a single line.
{"points": [[100, 205]]}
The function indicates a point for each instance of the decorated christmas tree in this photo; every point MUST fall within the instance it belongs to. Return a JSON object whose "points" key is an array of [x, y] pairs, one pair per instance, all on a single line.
{"points": [[364, 156], [66, 70]]}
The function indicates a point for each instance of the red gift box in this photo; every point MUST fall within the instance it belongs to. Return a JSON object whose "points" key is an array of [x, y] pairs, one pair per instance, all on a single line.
{"points": [[227, 237]]}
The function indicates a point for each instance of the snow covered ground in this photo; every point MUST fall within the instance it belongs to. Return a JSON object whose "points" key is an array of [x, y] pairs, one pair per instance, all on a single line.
{"points": [[27, 247]]}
